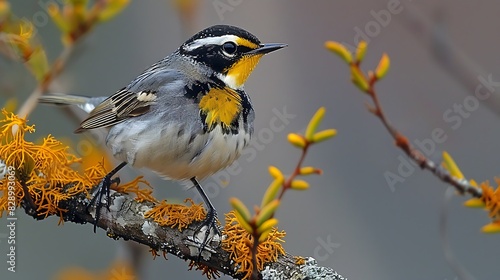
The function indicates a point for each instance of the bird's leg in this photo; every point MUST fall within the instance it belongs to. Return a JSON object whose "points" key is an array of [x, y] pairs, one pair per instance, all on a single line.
{"points": [[104, 189], [210, 220]]}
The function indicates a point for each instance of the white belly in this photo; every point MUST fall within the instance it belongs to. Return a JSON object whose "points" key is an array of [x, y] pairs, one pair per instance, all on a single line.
{"points": [[174, 155]]}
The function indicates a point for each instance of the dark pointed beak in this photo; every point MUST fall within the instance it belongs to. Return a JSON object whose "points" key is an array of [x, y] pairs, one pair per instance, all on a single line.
{"points": [[266, 48]]}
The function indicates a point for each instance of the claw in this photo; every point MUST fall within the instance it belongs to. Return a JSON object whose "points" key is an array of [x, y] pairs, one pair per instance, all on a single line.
{"points": [[211, 223], [104, 189]]}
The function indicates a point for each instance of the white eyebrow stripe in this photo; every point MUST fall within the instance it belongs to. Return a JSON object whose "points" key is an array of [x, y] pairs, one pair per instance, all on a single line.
{"points": [[210, 41]]}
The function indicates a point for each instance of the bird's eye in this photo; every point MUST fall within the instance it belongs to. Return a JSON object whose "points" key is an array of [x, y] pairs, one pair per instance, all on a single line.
{"points": [[229, 48]]}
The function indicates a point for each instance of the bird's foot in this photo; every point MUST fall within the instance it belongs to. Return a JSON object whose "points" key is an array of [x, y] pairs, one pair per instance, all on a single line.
{"points": [[209, 231], [103, 189]]}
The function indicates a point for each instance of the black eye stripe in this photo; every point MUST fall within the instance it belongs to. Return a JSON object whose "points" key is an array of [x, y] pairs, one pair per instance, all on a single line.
{"points": [[244, 49]]}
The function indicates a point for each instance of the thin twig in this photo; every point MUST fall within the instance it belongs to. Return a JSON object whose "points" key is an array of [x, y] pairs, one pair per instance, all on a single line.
{"points": [[461, 66], [59, 64], [455, 265], [56, 69], [287, 184], [255, 271], [462, 186]]}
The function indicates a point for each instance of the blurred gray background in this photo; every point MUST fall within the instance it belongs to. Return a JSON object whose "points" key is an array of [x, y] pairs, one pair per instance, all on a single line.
{"points": [[374, 231]]}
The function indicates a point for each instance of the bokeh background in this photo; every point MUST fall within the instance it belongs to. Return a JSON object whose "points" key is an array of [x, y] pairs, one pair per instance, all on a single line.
{"points": [[438, 50]]}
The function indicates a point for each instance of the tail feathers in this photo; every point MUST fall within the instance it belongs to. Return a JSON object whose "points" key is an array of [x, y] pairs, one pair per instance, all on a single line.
{"points": [[85, 103]]}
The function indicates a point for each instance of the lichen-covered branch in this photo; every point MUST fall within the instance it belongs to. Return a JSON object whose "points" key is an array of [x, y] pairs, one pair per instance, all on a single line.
{"points": [[125, 220]]}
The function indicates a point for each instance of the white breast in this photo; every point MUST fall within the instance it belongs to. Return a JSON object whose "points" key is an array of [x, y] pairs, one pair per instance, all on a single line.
{"points": [[176, 155]]}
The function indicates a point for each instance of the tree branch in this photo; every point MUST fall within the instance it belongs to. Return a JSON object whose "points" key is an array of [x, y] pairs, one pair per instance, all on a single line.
{"points": [[125, 220]]}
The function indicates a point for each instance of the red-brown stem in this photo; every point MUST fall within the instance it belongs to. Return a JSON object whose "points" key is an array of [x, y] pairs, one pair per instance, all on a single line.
{"points": [[60, 62], [287, 184], [56, 69], [255, 270], [402, 142]]}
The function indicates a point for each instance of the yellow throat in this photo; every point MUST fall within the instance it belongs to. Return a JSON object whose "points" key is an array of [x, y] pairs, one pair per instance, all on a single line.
{"points": [[221, 106]]}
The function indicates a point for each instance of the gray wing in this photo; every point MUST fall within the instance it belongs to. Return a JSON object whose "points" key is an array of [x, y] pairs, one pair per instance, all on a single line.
{"points": [[120, 106], [134, 100]]}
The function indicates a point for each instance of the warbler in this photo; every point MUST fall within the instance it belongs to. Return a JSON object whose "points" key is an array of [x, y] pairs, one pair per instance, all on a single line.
{"points": [[185, 117]]}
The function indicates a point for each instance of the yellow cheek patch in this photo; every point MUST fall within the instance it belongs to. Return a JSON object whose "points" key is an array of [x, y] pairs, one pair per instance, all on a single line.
{"points": [[221, 106], [244, 42], [239, 72]]}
